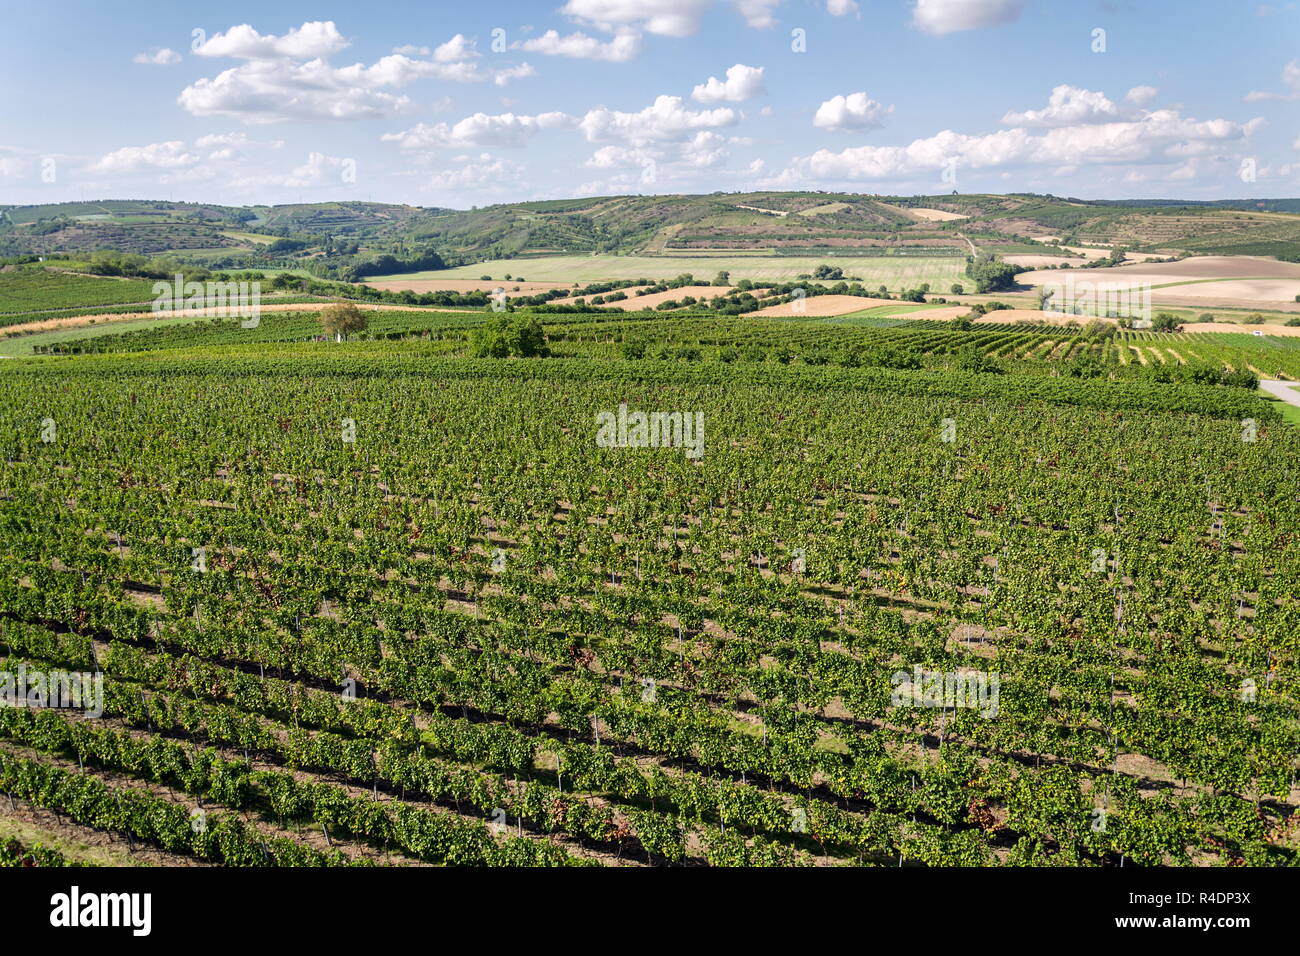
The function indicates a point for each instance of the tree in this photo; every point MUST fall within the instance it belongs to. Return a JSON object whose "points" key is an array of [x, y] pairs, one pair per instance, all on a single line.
{"points": [[341, 319], [1165, 322], [722, 278]]}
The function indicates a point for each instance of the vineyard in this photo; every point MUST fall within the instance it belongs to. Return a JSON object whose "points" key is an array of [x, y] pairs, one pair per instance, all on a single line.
{"points": [[692, 335], [29, 291], [383, 603]]}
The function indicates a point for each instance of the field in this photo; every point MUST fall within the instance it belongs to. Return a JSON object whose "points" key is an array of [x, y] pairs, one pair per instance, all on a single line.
{"points": [[896, 273], [1240, 281], [879, 588], [36, 290], [336, 601]]}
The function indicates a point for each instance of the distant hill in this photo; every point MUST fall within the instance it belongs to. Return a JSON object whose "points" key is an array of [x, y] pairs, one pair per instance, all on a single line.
{"points": [[324, 236]]}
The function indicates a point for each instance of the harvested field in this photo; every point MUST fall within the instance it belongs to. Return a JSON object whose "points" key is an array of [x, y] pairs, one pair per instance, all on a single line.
{"points": [[942, 315], [1233, 290], [635, 302], [1221, 267], [820, 305], [464, 285], [1229, 280], [72, 322], [928, 215], [1231, 327], [896, 272]]}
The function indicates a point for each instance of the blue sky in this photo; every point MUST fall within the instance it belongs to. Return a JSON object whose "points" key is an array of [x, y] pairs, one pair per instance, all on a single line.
{"points": [[460, 104]]}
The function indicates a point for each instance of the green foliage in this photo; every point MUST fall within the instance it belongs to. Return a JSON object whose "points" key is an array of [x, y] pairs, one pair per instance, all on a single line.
{"points": [[519, 335]]}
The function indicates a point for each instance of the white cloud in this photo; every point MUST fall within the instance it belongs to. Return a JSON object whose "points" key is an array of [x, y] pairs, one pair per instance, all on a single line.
{"points": [[504, 76], [454, 50], [667, 119], [758, 13], [664, 162], [487, 173], [949, 16], [161, 57], [318, 170], [1067, 106], [1290, 79], [312, 39], [741, 83], [579, 46], [675, 18], [853, 112], [276, 88], [703, 150], [267, 91], [1162, 136], [841, 8], [222, 139], [618, 157], [134, 159], [1141, 95], [503, 129]]}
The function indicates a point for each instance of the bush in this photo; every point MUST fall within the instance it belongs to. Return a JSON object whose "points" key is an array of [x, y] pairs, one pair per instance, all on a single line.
{"points": [[1240, 378], [1165, 322], [522, 336]]}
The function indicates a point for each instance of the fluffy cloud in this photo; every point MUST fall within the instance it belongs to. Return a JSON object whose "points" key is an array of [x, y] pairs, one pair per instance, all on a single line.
{"points": [[503, 129], [486, 174], [949, 16], [758, 13], [1067, 106], [274, 88], [318, 170], [579, 46], [853, 112], [1161, 136], [265, 91], [161, 57], [703, 150], [674, 18], [667, 119], [671, 162], [841, 8], [312, 39], [1141, 95], [741, 83], [134, 159]]}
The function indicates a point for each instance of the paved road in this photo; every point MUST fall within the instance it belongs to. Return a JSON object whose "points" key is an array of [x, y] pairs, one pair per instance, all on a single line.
{"points": [[1283, 390]]}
